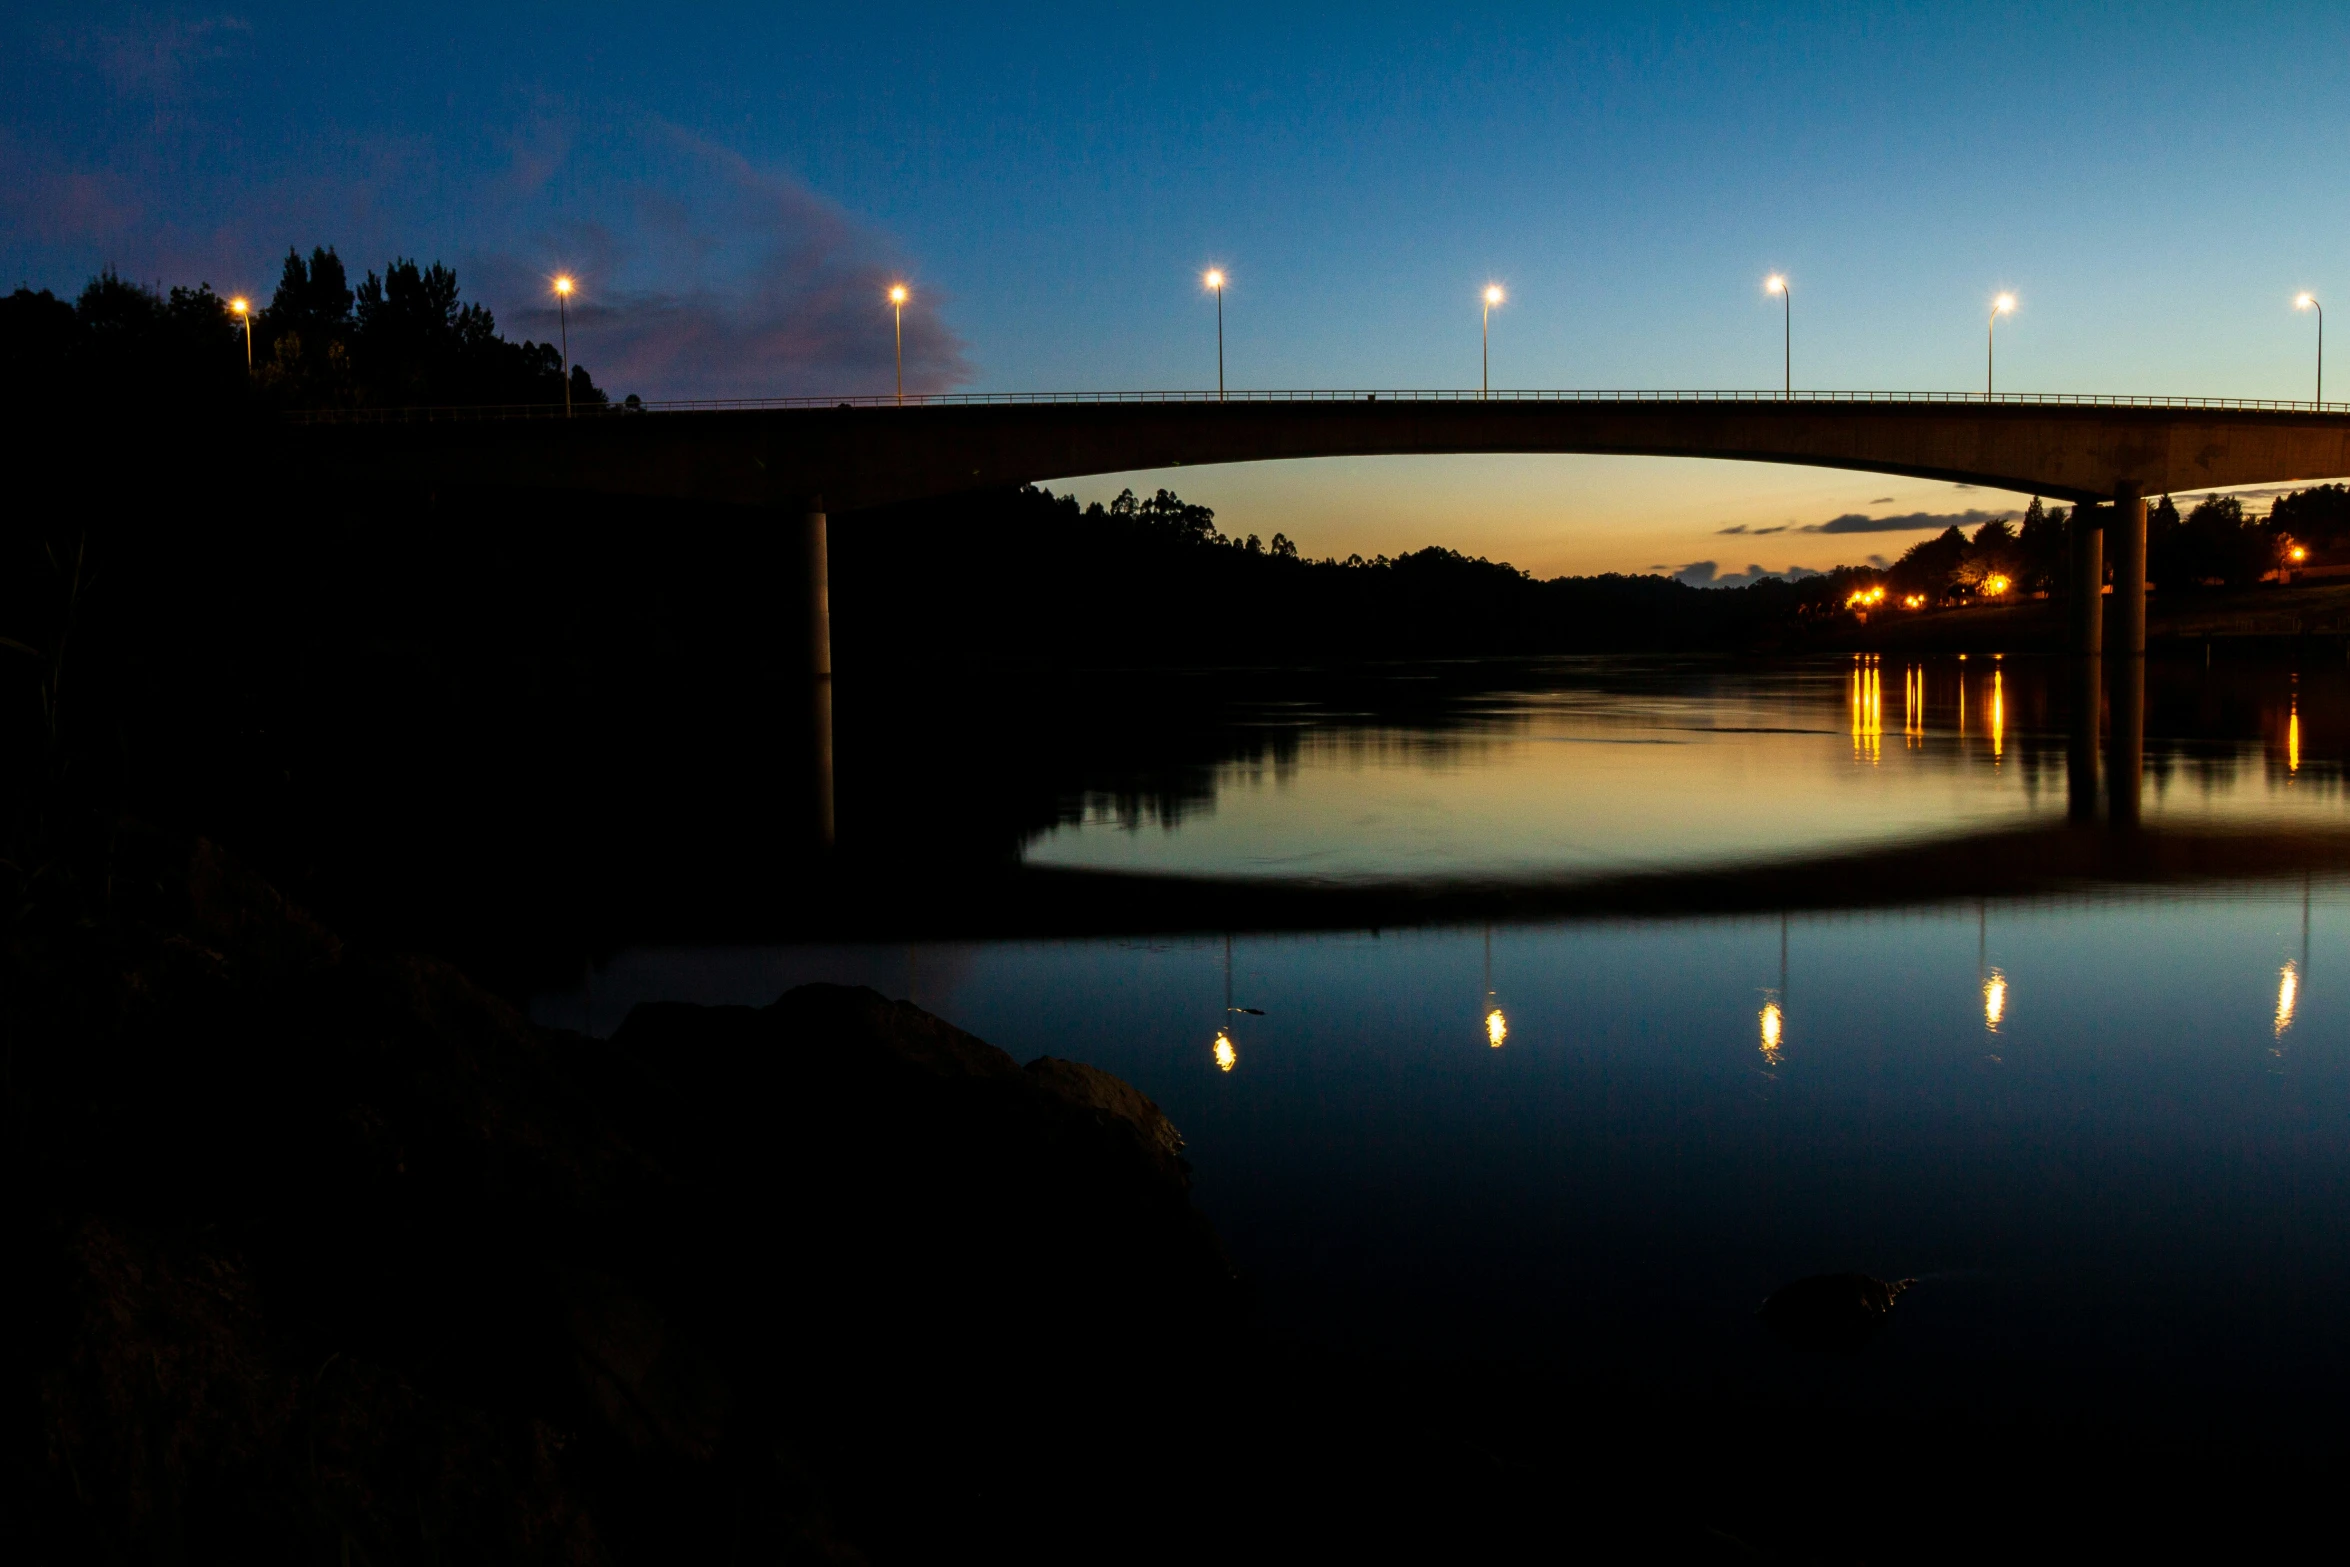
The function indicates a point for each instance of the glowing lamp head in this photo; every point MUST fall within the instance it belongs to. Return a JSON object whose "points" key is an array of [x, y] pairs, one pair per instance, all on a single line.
{"points": [[2003, 304], [2304, 301], [1493, 294], [240, 307], [897, 293], [1775, 284], [1215, 279], [2298, 553]]}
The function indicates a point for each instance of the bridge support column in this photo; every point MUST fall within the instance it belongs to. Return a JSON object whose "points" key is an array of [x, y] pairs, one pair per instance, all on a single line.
{"points": [[819, 664], [2087, 700], [2085, 630], [2126, 665], [2085, 641]]}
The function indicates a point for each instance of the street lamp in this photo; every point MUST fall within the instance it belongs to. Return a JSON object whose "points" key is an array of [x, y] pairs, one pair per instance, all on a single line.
{"points": [[1215, 282], [897, 302], [2309, 302], [242, 309], [563, 314], [1778, 285], [1493, 296], [1999, 307]]}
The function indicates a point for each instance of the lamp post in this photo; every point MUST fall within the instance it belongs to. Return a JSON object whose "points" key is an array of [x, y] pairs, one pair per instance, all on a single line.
{"points": [[897, 303], [242, 309], [1493, 296], [1215, 283], [563, 315], [1999, 307], [2309, 302], [1778, 285]]}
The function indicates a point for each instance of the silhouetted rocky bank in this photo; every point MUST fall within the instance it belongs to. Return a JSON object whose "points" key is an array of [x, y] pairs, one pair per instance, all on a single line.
{"points": [[328, 1255]]}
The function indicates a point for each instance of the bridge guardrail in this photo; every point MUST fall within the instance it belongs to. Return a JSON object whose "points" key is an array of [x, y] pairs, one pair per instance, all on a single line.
{"points": [[1318, 395]]}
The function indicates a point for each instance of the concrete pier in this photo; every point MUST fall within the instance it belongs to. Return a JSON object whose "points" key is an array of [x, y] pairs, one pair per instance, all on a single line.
{"points": [[2086, 700], [2126, 539], [2125, 760], [819, 666], [2085, 627], [2126, 656]]}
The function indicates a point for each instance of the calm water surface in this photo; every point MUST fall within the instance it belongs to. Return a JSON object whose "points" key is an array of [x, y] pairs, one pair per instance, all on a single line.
{"points": [[2110, 1135]]}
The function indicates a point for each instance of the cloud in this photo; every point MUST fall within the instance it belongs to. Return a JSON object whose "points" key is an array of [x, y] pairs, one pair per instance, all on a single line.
{"points": [[1882, 500], [782, 293], [1756, 532], [1706, 574], [1905, 522], [154, 57], [702, 274]]}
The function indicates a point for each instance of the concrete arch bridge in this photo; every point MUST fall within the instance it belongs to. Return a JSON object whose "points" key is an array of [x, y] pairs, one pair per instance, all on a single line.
{"points": [[807, 457]]}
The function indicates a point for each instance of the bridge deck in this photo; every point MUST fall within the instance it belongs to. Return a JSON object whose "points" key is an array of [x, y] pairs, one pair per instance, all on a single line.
{"points": [[858, 452]]}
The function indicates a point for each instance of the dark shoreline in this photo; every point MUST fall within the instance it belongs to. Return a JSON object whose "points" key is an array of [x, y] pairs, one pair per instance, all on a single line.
{"points": [[849, 901]]}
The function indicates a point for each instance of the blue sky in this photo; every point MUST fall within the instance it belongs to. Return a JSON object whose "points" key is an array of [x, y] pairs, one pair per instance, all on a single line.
{"points": [[735, 184]]}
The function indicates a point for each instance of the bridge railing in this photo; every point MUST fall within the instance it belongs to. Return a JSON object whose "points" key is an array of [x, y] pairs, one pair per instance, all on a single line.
{"points": [[1313, 395]]}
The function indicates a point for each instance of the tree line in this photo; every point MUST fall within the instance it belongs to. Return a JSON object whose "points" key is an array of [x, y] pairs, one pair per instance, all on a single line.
{"points": [[2215, 545], [401, 338]]}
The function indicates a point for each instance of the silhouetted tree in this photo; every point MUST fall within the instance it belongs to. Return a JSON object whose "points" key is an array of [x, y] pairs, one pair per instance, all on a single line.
{"points": [[2219, 546], [302, 341], [122, 343], [2040, 549], [2166, 565], [402, 338], [1990, 553], [2318, 519], [1930, 566]]}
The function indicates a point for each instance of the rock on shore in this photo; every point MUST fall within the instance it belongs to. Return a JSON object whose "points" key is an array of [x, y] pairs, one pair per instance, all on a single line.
{"points": [[325, 1255]]}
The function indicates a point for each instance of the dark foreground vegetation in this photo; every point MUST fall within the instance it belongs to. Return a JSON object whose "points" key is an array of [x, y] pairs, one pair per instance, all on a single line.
{"points": [[150, 356]]}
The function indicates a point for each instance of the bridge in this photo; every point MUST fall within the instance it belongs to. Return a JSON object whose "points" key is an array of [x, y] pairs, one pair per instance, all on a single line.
{"points": [[805, 458], [861, 452]]}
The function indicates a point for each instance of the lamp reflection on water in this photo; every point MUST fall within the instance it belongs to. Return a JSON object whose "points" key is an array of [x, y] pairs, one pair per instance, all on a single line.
{"points": [[2288, 993], [1497, 1027], [1868, 708], [1994, 999], [2293, 737], [1226, 1057], [1774, 1024], [1998, 717]]}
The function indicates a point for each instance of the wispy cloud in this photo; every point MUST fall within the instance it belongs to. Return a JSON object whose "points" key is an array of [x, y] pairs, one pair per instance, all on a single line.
{"points": [[1707, 574], [1905, 522], [1861, 522], [154, 57], [765, 288]]}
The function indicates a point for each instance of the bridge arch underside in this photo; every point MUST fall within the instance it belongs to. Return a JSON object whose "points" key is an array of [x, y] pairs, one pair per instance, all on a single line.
{"points": [[847, 459]]}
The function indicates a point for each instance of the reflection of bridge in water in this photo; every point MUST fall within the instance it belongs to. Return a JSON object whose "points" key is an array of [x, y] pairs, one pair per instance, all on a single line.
{"points": [[805, 459]]}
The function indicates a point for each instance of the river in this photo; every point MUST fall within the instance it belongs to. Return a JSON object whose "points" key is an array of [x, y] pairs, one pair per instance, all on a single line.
{"points": [[2105, 1126]]}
